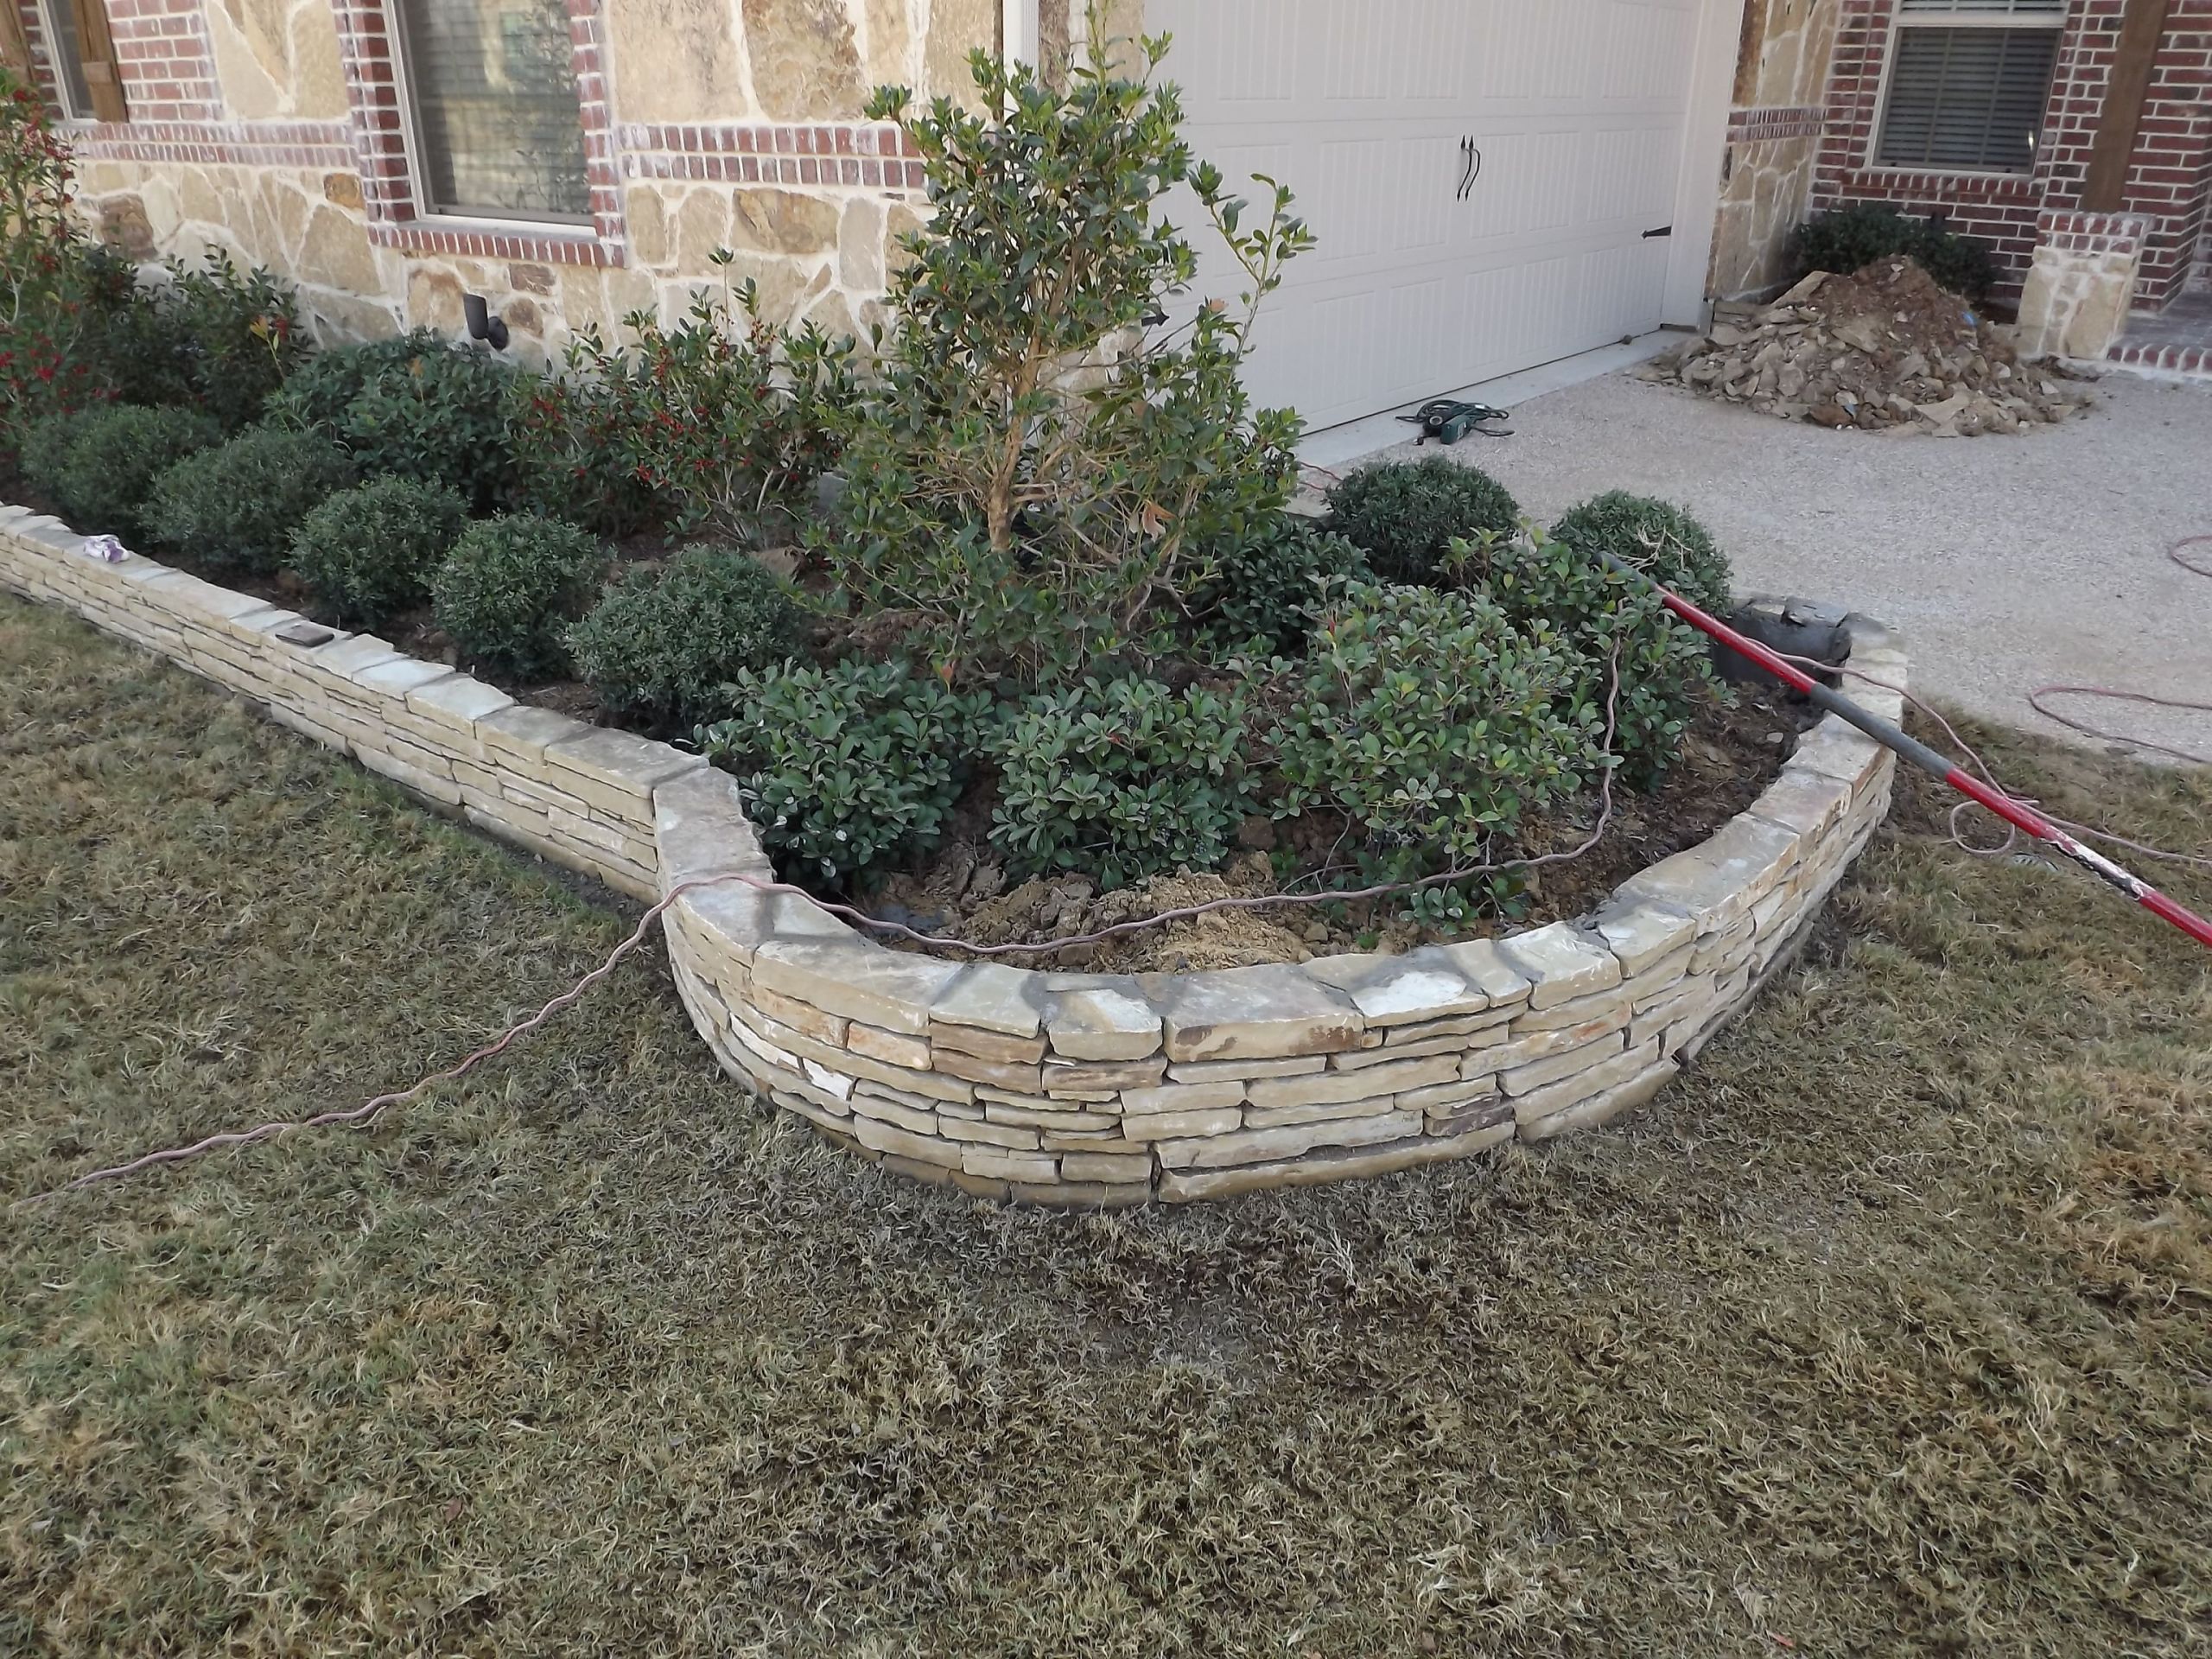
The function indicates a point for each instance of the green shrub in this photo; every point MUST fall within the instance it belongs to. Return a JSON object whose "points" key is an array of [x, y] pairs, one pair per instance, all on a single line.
{"points": [[1666, 666], [1269, 590], [663, 646], [236, 335], [1663, 540], [1848, 238], [366, 554], [1433, 724], [1025, 516], [114, 455], [1122, 781], [43, 450], [232, 509], [509, 588], [847, 770], [414, 407], [723, 421], [1405, 515]]}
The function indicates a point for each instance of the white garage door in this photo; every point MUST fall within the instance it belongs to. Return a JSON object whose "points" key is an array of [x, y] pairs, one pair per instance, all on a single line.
{"points": [[1426, 279]]}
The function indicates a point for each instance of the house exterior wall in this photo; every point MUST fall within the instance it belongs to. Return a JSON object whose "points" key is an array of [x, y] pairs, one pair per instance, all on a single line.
{"points": [[2167, 181], [1773, 138], [272, 131]]}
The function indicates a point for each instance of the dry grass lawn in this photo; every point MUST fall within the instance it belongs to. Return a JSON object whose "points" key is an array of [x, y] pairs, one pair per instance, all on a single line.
{"points": [[1888, 1332]]}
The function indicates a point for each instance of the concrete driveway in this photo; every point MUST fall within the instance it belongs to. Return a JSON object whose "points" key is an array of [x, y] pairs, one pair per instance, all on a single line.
{"points": [[2009, 564]]}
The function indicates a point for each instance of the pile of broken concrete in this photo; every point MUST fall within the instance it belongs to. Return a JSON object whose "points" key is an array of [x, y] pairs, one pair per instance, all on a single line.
{"points": [[1885, 349]]}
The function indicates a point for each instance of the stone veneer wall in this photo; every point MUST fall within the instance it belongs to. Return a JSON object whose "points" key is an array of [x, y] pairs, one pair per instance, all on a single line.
{"points": [[271, 130], [1051, 1087]]}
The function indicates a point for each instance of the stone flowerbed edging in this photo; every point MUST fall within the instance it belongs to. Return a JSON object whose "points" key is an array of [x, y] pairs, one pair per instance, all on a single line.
{"points": [[1051, 1088]]}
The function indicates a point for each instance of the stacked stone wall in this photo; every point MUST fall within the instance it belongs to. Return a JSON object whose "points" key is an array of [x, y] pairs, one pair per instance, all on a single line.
{"points": [[1053, 1088]]}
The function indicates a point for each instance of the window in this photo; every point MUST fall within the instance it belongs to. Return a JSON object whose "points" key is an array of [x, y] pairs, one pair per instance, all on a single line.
{"points": [[1968, 83], [498, 127], [59, 18]]}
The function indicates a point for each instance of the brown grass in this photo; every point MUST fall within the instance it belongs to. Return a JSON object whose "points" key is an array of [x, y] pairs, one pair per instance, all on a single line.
{"points": [[1888, 1332]]}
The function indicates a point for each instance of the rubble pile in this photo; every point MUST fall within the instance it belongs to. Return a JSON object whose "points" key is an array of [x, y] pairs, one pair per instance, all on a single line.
{"points": [[1884, 350]]}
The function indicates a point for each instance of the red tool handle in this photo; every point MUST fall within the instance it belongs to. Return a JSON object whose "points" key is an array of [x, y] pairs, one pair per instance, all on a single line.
{"points": [[2015, 813]]}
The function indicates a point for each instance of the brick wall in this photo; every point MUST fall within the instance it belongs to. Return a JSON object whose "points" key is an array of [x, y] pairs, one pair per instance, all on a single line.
{"points": [[2168, 182]]}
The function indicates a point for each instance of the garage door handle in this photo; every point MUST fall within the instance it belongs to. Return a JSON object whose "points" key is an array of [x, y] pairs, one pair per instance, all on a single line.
{"points": [[1664, 230], [1471, 168]]}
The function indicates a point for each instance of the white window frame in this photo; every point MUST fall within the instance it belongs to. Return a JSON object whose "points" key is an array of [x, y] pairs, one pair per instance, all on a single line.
{"points": [[1900, 22], [51, 45], [426, 213]]}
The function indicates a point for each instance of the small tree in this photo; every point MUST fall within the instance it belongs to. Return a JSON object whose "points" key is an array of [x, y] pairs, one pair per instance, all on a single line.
{"points": [[1037, 473]]}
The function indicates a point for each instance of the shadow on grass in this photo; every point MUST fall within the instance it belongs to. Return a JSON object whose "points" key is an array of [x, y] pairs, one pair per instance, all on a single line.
{"points": [[1886, 1331]]}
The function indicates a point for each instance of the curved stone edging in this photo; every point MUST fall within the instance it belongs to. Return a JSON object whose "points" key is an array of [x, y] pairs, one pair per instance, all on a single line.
{"points": [[1051, 1087]]}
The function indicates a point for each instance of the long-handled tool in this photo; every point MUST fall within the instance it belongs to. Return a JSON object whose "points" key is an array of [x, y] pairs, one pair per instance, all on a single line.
{"points": [[2015, 813]]}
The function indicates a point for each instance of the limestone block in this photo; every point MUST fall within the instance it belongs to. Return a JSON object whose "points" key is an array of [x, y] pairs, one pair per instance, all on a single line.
{"points": [[1381, 1081], [1184, 1097], [1562, 963], [1113, 1169], [1111, 1077], [616, 768], [1573, 1091], [992, 997], [1100, 1019], [1179, 1126], [1605, 1106], [1188, 1185], [1640, 932], [880, 1136], [1718, 881], [1525, 1079], [1261, 1146], [1256, 1013], [1420, 986], [851, 977]]}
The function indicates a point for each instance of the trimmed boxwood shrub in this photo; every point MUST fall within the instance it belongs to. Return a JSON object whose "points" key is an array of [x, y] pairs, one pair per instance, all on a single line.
{"points": [[1271, 589], [1122, 781], [1656, 536], [663, 646], [113, 455], [1849, 239], [366, 554], [1405, 515], [849, 769], [232, 509], [44, 448], [509, 588], [1433, 724], [416, 406], [1666, 666]]}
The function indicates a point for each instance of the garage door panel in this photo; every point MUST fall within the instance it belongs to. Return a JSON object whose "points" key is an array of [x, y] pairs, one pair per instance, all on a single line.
{"points": [[1361, 107]]}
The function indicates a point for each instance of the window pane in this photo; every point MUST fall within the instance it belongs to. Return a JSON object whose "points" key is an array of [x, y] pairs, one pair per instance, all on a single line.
{"points": [[494, 92], [1968, 97], [66, 57]]}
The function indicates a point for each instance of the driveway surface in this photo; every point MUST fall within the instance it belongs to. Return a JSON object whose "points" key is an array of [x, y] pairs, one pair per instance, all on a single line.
{"points": [[2009, 564]]}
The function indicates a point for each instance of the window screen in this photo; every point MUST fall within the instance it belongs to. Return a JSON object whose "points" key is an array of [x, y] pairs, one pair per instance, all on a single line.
{"points": [[500, 133], [67, 56], [1968, 83]]}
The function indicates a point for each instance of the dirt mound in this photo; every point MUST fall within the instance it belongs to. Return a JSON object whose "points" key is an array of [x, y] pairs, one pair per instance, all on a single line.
{"points": [[1069, 905], [1884, 349]]}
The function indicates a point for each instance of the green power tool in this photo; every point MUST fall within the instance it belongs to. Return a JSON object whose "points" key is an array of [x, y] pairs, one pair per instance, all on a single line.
{"points": [[1447, 421]]}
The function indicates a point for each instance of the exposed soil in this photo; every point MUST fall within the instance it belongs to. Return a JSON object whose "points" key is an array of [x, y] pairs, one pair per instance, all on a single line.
{"points": [[1884, 349], [1727, 758]]}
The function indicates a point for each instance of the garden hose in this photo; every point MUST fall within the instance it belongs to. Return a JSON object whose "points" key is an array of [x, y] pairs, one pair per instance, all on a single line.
{"points": [[1447, 421]]}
